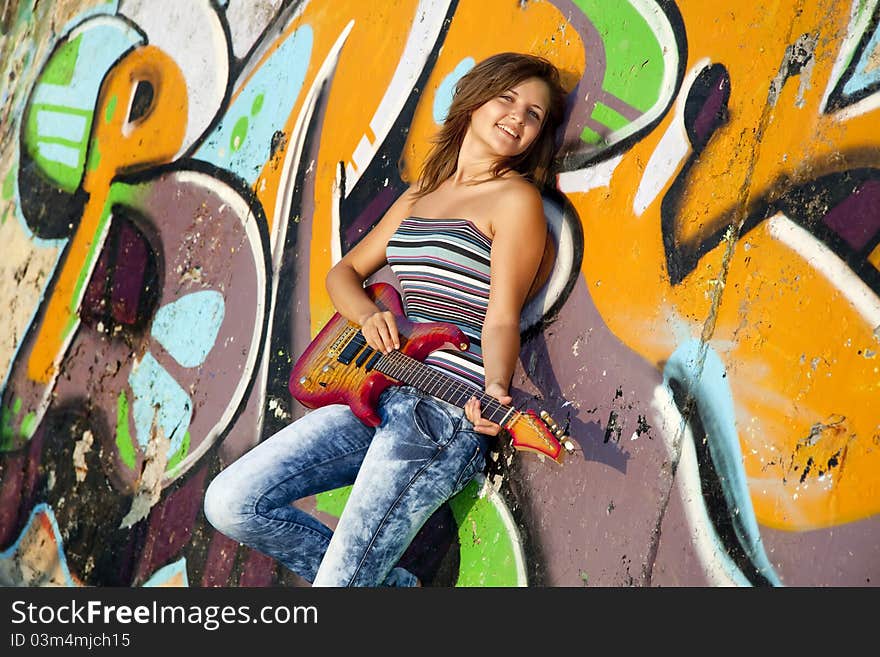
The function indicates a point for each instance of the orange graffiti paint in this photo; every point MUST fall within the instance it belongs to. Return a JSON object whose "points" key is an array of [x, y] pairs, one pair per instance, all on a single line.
{"points": [[782, 311], [117, 146]]}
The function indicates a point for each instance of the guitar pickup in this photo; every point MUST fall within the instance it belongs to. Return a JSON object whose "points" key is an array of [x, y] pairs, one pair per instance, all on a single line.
{"points": [[350, 351], [373, 360], [366, 353]]}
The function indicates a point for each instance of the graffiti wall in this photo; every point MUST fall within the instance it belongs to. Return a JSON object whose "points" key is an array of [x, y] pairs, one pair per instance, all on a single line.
{"points": [[178, 178]]}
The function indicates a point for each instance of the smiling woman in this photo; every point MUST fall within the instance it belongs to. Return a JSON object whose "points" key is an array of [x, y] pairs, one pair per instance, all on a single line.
{"points": [[466, 243]]}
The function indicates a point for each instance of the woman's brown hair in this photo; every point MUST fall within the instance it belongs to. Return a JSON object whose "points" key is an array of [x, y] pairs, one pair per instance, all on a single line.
{"points": [[489, 78]]}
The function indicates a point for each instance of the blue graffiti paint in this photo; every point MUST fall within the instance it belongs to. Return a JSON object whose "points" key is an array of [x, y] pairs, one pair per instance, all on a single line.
{"points": [[188, 327], [167, 574], [63, 113], [866, 73], [42, 508], [443, 97], [156, 392], [701, 372], [61, 108], [279, 81]]}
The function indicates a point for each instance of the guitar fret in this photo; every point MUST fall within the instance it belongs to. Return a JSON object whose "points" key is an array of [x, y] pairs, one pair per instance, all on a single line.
{"points": [[412, 372]]}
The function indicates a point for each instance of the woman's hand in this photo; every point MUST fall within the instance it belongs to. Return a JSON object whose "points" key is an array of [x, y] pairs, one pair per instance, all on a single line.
{"points": [[380, 331], [472, 410]]}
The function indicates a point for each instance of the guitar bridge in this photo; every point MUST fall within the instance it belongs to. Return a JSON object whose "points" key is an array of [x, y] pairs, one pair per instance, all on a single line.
{"points": [[342, 349]]}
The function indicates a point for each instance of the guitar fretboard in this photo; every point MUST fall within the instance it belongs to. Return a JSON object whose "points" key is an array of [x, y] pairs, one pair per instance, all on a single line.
{"points": [[429, 380]]}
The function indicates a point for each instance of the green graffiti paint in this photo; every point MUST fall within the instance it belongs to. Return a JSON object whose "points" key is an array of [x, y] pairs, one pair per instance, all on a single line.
{"points": [[179, 455], [634, 69], [28, 426], [333, 501], [591, 137], [486, 552], [94, 156], [124, 443], [66, 176], [7, 433], [111, 108], [608, 117], [59, 70], [9, 183], [239, 132], [258, 104]]}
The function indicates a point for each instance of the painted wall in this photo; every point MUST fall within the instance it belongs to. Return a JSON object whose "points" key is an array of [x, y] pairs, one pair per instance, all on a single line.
{"points": [[177, 178]]}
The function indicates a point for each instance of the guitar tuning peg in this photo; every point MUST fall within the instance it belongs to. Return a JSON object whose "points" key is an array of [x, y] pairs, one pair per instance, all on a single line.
{"points": [[566, 443], [549, 420]]}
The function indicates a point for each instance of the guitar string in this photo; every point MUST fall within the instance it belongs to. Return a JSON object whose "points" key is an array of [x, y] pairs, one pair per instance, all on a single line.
{"points": [[463, 391], [403, 361]]}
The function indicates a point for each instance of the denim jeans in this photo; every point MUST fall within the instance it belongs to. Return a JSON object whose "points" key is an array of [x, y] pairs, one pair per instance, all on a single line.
{"points": [[423, 452]]}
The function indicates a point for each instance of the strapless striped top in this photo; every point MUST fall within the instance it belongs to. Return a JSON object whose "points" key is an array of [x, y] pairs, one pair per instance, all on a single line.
{"points": [[443, 269]]}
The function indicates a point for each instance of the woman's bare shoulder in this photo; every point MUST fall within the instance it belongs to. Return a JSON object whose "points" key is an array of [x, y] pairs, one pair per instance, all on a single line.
{"points": [[521, 197]]}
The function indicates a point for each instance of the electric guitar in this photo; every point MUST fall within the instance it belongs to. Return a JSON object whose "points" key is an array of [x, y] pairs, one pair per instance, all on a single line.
{"points": [[338, 367]]}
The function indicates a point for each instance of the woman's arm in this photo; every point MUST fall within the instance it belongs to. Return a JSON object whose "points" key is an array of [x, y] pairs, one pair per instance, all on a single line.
{"points": [[345, 280], [517, 248]]}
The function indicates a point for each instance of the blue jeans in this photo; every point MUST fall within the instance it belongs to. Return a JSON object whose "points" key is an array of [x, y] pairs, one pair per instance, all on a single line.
{"points": [[424, 452]]}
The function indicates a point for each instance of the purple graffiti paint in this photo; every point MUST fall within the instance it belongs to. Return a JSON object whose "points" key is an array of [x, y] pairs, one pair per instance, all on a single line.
{"points": [[258, 570], [220, 559], [371, 214], [706, 104], [857, 218], [128, 274], [90, 309], [170, 525]]}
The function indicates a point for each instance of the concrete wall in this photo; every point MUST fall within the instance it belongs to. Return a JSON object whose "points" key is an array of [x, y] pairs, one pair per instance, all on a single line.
{"points": [[177, 178]]}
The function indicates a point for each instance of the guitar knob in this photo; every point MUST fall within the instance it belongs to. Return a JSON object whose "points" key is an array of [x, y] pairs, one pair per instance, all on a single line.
{"points": [[567, 444]]}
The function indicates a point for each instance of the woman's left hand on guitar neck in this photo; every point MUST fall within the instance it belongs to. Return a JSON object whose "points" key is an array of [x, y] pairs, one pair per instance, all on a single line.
{"points": [[472, 410]]}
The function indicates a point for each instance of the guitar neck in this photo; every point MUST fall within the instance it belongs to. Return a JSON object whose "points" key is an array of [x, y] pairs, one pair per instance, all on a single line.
{"points": [[410, 371]]}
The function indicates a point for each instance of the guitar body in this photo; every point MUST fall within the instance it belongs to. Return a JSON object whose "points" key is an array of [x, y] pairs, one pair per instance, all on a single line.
{"points": [[319, 379]]}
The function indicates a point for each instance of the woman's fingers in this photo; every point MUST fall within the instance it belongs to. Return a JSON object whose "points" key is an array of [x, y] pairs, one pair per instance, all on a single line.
{"points": [[380, 331], [481, 424]]}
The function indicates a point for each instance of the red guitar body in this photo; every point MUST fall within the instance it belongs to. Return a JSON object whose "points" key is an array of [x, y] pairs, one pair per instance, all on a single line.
{"points": [[317, 379]]}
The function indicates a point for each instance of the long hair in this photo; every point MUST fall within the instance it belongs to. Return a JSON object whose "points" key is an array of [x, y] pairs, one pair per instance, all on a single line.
{"points": [[491, 77]]}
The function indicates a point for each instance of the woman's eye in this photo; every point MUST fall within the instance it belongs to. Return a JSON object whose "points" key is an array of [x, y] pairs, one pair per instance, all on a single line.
{"points": [[534, 115], [507, 97]]}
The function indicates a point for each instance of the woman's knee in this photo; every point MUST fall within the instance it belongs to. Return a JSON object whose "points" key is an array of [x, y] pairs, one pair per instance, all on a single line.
{"points": [[222, 504]]}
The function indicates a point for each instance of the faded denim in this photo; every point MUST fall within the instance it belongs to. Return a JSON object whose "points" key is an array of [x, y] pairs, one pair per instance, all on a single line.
{"points": [[423, 453]]}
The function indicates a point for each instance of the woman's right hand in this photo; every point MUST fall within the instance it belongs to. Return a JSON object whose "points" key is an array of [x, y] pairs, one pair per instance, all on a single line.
{"points": [[380, 331]]}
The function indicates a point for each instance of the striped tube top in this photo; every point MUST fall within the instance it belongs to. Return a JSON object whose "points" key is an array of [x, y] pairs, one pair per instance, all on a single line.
{"points": [[443, 269]]}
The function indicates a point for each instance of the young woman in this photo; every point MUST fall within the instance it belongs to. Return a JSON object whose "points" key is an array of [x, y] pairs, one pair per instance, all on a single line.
{"points": [[465, 243]]}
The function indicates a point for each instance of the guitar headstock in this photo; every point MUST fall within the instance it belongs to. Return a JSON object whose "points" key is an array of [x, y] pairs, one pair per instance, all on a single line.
{"points": [[533, 433]]}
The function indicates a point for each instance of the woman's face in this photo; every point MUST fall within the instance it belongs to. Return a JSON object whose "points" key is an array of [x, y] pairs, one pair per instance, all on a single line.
{"points": [[511, 121]]}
